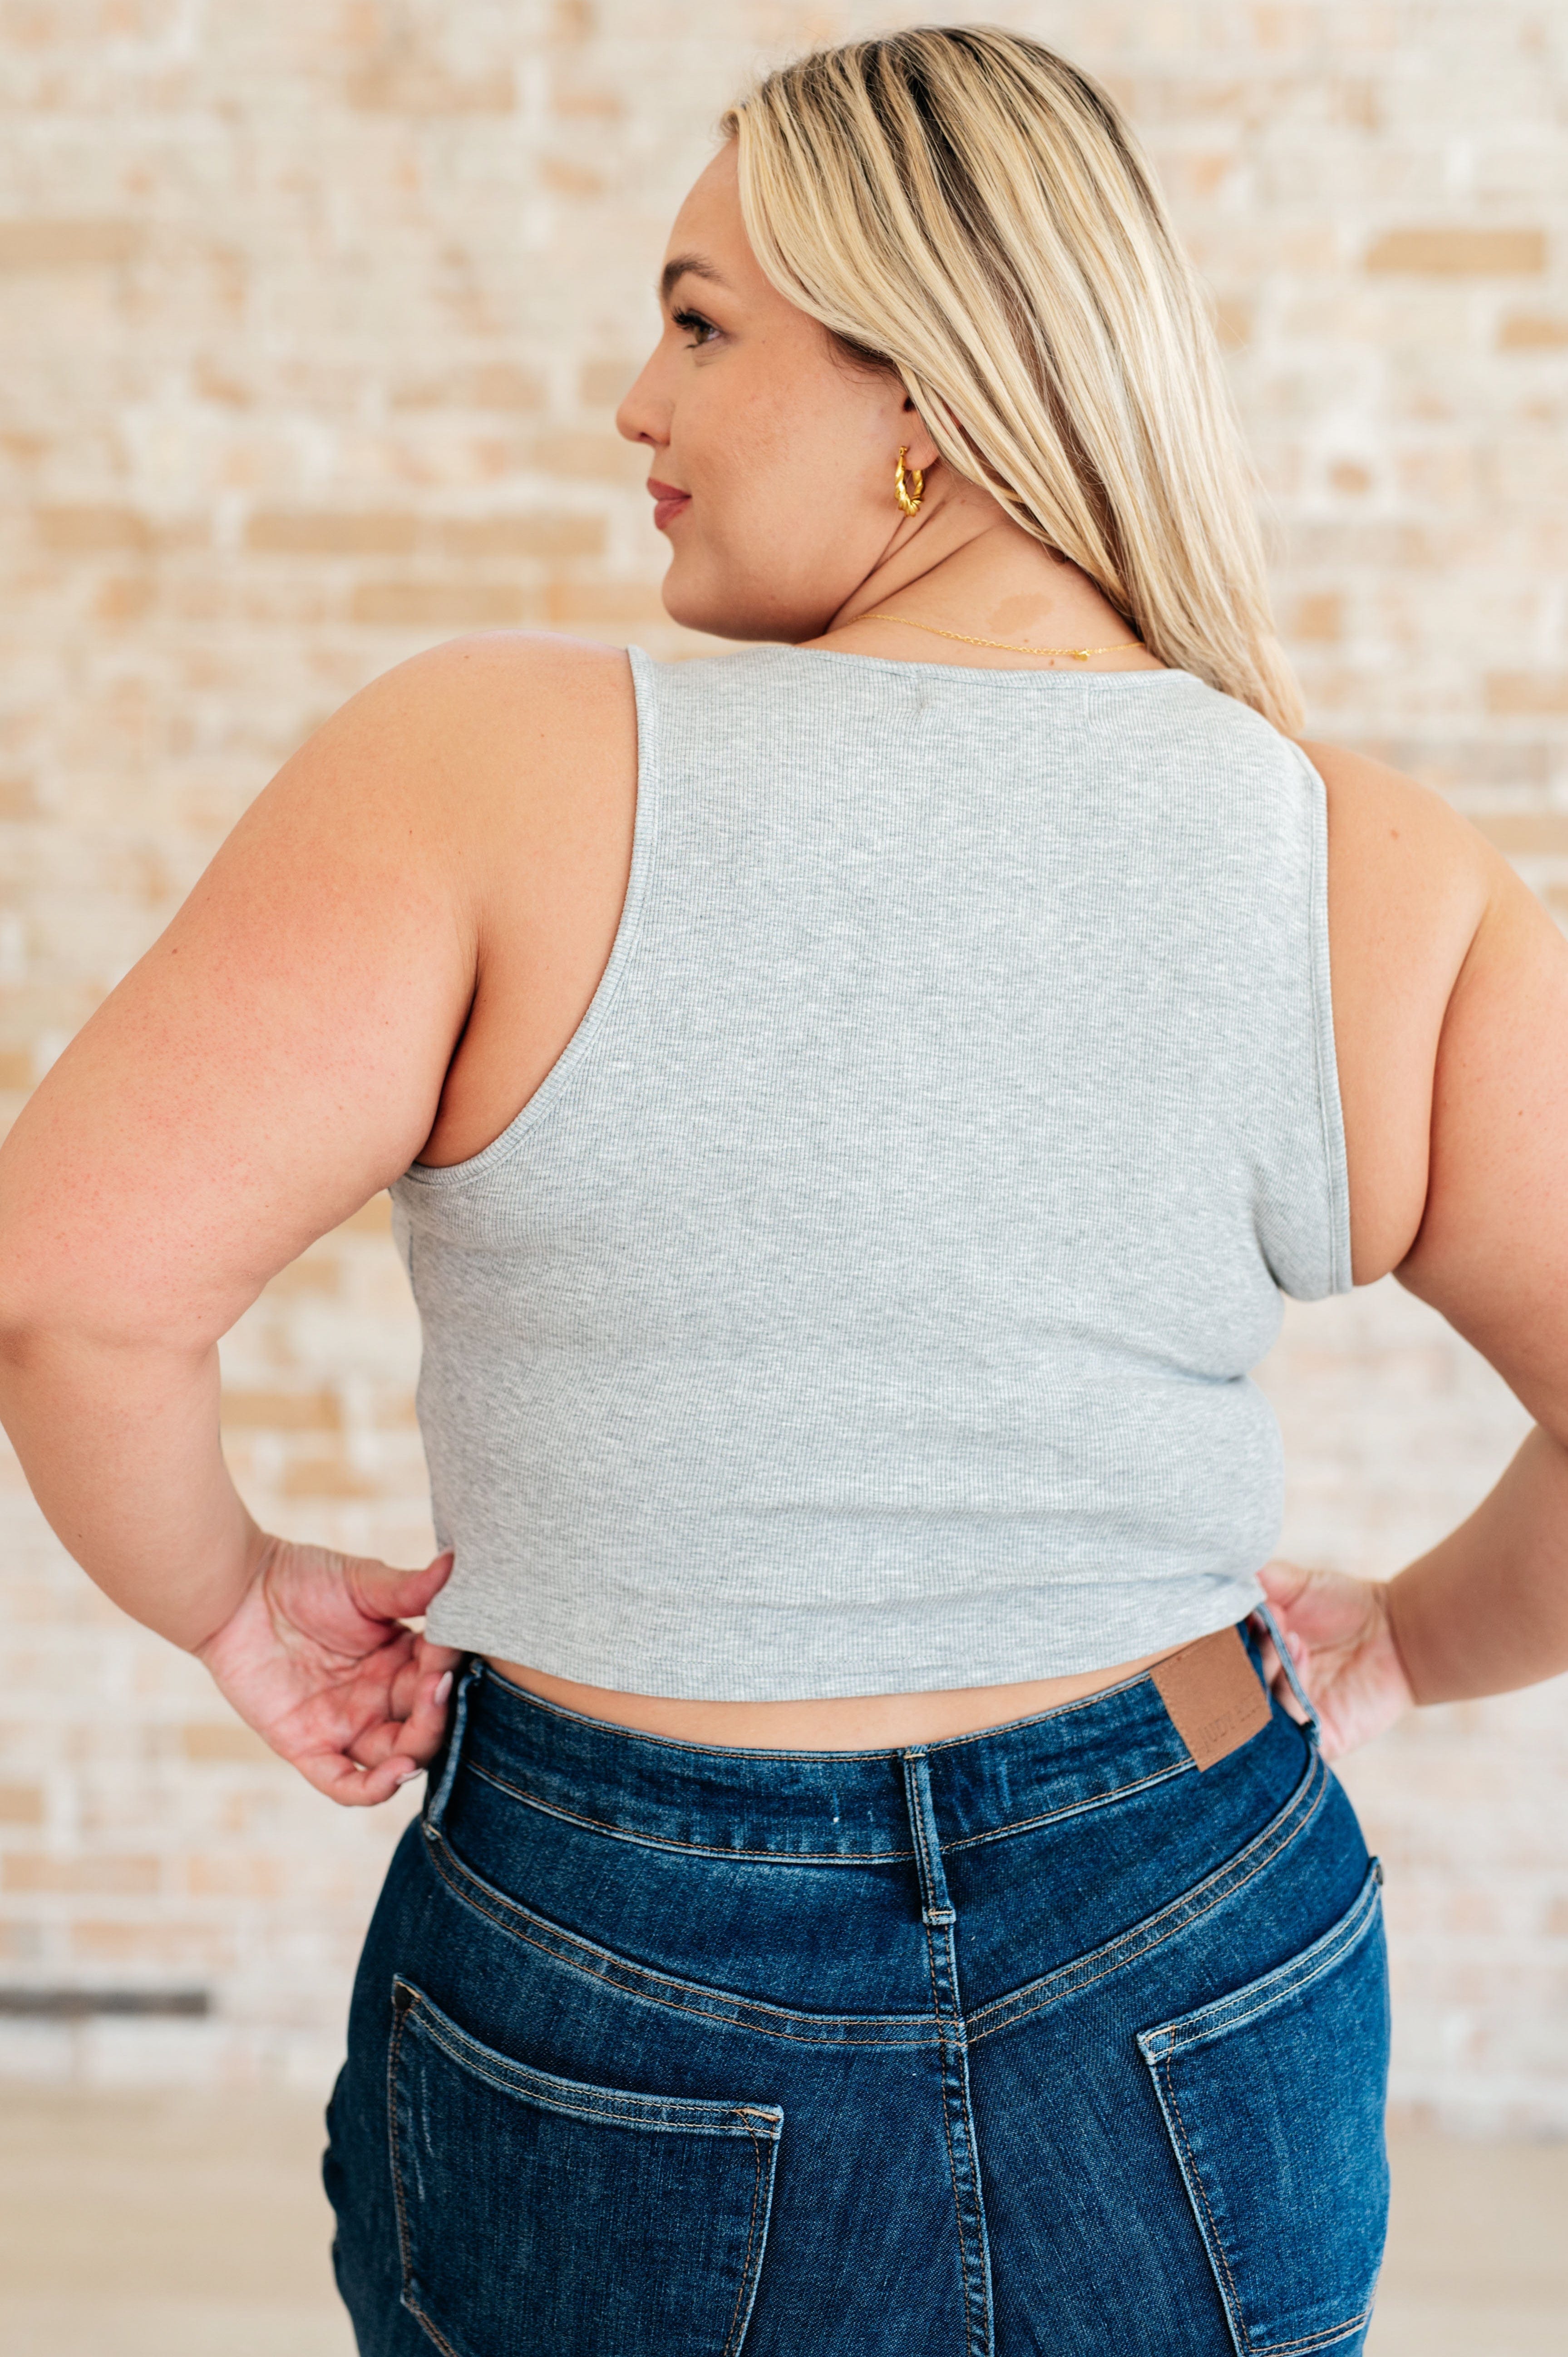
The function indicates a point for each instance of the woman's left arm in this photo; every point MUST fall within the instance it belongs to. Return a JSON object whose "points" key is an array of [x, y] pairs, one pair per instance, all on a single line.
{"points": [[1485, 1609]]}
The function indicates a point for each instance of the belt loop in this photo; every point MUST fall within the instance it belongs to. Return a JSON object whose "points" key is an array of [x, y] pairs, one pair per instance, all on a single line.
{"points": [[1292, 1675], [436, 1795], [936, 1908]]}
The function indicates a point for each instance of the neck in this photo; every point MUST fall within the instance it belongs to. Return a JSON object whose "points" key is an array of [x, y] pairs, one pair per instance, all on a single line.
{"points": [[968, 567]]}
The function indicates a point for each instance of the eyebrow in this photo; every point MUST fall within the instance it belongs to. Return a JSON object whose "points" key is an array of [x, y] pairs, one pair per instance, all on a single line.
{"points": [[683, 265]]}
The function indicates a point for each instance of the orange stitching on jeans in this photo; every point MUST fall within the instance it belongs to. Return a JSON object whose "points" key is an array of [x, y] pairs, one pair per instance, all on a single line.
{"points": [[1354, 1928], [439, 2338], [1274, 2348], [947, 2128], [405, 2244], [750, 2238], [1183, 1767], [490, 2078], [1208, 2212], [1137, 1955], [392, 2138], [701, 2013]]}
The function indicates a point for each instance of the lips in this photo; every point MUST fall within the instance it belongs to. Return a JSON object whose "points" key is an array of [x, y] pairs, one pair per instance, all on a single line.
{"points": [[667, 501]]}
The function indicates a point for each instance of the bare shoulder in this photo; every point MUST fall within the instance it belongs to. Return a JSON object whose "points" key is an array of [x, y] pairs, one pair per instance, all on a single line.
{"points": [[470, 745], [510, 692], [1382, 816]]}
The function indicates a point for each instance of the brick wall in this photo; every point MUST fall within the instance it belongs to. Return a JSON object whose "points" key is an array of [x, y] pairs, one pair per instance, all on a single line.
{"points": [[314, 320]]}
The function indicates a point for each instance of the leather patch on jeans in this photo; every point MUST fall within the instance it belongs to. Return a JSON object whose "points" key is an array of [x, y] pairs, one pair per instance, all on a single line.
{"points": [[1214, 1695]]}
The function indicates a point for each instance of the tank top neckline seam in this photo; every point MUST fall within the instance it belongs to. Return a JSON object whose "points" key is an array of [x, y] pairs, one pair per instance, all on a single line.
{"points": [[777, 647]]}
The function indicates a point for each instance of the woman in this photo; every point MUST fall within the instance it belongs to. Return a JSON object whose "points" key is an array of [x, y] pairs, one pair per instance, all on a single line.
{"points": [[852, 1108]]}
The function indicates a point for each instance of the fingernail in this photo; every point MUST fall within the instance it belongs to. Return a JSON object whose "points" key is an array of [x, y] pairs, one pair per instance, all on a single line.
{"points": [[444, 1687], [407, 1775]]}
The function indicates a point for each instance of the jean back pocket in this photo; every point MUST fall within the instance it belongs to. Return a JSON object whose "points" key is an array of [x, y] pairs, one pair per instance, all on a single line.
{"points": [[536, 2213], [1273, 2099]]}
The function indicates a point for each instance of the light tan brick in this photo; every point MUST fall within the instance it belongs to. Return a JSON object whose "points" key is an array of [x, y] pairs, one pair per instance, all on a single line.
{"points": [[165, 1946], [327, 1477], [611, 603], [409, 83], [1459, 252], [38, 1871], [93, 531], [1533, 331], [543, 534], [21, 1805], [16, 1068], [372, 1219], [570, 179], [1319, 619], [444, 605], [591, 459], [587, 101], [603, 384], [348, 533], [1527, 694], [1527, 834], [493, 384], [66, 244], [223, 1740], [279, 1411], [127, 597], [313, 1272], [224, 1875]]}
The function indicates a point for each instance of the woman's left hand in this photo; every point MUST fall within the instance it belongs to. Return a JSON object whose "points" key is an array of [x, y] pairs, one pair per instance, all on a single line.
{"points": [[1340, 1638]]}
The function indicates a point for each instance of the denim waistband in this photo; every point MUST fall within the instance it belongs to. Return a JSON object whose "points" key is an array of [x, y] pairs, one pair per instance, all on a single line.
{"points": [[737, 1802]]}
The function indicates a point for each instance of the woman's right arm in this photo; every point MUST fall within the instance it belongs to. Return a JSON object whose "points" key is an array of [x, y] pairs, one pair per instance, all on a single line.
{"points": [[277, 1056]]}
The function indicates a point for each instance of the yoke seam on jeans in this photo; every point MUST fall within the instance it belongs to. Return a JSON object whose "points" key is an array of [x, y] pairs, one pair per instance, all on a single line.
{"points": [[697, 1850], [1136, 1955], [829, 1857], [647, 1997], [1072, 1808]]}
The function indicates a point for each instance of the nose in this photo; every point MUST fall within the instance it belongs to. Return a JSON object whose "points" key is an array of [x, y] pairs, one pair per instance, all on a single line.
{"points": [[643, 414]]}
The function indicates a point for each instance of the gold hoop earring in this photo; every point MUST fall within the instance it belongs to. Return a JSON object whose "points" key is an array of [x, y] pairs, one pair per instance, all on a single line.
{"points": [[908, 489]]}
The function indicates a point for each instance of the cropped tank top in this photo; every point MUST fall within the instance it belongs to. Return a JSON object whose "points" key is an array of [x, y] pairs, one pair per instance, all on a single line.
{"points": [[864, 1302]]}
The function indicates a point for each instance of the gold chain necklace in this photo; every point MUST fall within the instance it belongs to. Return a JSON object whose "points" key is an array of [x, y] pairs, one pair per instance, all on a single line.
{"points": [[1076, 654]]}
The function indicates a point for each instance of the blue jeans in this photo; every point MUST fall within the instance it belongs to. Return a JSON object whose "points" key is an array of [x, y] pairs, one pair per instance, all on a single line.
{"points": [[1039, 2039]]}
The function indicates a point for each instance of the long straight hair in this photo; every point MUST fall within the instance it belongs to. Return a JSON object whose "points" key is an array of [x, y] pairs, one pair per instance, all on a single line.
{"points": [[959, 204]]}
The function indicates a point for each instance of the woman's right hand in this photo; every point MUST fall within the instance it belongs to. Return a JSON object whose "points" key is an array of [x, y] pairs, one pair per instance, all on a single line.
{"points": [[316, 1657]]}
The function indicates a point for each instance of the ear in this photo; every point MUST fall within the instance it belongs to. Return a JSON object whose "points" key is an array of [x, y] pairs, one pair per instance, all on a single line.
{"points": [[914, 431]]}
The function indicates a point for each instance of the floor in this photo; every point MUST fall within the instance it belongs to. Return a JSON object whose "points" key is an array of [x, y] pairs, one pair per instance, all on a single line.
{"points": [[176, 2225]]}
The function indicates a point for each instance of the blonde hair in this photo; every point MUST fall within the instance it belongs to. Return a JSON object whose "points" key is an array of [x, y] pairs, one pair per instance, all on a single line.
{"points": [[961, 205]]}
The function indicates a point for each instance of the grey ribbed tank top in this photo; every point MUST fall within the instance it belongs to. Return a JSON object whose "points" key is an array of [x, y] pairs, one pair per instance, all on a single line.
{"points": [[864, 1302]]}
